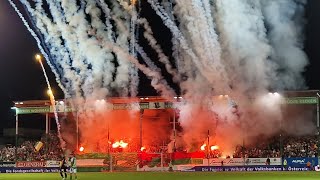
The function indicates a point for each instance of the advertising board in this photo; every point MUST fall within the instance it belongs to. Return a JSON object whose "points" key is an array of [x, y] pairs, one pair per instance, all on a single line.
{"points": [[31, 164], [7, 164], [243, 168], [241, 161], [300, 162], [27, 170]]}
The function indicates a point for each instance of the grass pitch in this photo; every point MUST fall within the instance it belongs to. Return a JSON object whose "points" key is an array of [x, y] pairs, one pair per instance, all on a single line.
{"points": [[172, 176]]}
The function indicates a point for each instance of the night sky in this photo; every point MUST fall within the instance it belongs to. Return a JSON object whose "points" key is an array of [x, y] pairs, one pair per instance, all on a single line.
{"points": [[21, 76]]}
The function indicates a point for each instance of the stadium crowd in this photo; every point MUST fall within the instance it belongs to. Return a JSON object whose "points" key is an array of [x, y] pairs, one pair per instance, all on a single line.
{"points": [[27, 152], [292, 147]]}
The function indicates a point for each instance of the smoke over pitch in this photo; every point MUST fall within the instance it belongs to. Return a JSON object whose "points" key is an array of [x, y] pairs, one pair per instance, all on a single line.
{"points": [[239, 48]]}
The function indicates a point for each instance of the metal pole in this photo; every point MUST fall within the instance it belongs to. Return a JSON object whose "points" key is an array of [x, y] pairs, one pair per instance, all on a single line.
{"points": [[161, 161], [141, 116], [108, 139], [47, 131], [47, 123], [77, 122], [174, 130], [318, 124], [49, 126], [17, 131], [281, 138], [208, 146], [110, 157]]}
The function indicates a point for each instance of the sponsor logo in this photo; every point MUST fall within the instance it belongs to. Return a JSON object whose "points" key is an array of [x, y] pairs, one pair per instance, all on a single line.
{"points": [[298, 161], [53, 164], [31, 164], [7, 164]]}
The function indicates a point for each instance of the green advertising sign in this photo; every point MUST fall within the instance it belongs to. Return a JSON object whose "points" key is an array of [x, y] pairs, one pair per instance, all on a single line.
{"points": [[145, 105], [39, 110], [302, 100], [33, 110]]}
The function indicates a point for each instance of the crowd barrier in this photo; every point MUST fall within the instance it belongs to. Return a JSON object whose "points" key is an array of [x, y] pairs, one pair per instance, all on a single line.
{"points": [[240, 161], [28, 170], [129, 163]]}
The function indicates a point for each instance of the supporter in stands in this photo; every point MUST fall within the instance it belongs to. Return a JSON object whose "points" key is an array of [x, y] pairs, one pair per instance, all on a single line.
{"points": [[26, 151], [292, 147]]}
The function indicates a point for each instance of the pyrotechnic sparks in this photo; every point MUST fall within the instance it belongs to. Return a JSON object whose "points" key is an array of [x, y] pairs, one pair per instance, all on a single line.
{"points": [[142, 149], [214, 148], [52, 100], [119, 144], [133, 2], [203, 147], [81, 149]]}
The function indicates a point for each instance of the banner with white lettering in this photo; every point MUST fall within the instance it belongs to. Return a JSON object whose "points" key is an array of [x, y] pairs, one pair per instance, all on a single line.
{"points": [[27, 170], [53, 164], [241, 161], [244, 168]]}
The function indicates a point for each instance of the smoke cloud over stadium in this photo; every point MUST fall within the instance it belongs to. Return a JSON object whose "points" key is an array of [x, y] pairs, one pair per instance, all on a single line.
{"points": [[226, 55]]}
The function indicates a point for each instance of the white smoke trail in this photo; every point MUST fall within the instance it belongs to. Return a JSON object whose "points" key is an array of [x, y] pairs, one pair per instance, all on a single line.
{"points": [[148, 34], [130, 6], [177, 34], [54, 44], [134, 77], [147, 60], [206, 63], [157, 81], [242, 31], [121, 82], [45, 75], [38, 43], [284, 20]]}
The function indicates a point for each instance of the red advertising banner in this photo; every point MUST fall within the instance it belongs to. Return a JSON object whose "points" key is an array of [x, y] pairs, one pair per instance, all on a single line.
{"points": [[31, 164]]}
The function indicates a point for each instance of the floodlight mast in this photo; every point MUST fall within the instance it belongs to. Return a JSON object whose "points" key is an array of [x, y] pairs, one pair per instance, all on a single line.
{"points": [[318, 122]]}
